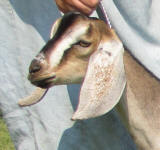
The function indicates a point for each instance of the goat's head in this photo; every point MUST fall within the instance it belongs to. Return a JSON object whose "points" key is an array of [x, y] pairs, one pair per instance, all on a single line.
{"points": [[81, 47], [64, 58]]}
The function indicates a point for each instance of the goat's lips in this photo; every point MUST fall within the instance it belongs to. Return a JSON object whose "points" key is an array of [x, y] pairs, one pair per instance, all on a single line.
{"points": [[44, 82]]}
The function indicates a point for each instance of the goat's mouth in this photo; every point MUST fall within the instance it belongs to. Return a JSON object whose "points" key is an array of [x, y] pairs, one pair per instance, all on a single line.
{"points": [[46, 82]]}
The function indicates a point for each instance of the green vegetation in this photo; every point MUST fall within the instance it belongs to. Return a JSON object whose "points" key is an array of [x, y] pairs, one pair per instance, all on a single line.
{"points": [[5, 140]]}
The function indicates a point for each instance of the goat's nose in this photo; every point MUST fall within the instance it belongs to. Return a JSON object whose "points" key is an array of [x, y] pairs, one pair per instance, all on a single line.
{"points": [[35, 66]]}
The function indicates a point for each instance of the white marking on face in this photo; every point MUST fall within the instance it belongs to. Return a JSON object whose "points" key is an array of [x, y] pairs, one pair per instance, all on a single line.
{"points": [[66, 43], [40, 57]]}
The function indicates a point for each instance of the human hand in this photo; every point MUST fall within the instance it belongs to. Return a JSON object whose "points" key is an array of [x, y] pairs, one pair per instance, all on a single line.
{"points": [[83, 6]]}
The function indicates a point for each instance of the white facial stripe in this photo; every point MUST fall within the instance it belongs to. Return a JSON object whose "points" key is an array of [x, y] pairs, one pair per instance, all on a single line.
{"points": [[40, 57], [66, 43]]}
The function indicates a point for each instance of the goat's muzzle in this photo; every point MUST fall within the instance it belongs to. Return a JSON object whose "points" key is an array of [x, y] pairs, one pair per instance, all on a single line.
{"points": [[44, 82], [35, 66], [37, 74]]}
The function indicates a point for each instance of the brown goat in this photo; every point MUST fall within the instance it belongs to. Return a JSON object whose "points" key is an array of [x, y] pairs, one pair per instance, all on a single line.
{"points": [[84, 49]]}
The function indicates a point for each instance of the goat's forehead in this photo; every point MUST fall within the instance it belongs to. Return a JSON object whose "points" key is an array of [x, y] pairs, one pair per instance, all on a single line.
{"points": [[76, 31], [72, 19], [77, 25], [68, 34], [63, 44], [71, 28], [70, 24]]}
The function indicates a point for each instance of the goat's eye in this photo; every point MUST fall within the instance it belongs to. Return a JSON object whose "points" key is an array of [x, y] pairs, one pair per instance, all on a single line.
{"points": [[84, 43]]}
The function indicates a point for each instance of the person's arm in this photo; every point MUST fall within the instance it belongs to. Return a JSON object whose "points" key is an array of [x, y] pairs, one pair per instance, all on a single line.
{"points": [[83, 6]]}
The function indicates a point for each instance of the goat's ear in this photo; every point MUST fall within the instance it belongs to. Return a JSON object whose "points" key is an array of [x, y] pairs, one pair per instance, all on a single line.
{"points": [[104, 81], [55, 27]]}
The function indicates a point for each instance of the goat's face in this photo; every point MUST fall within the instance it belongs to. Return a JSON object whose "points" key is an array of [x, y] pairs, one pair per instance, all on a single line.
{"points": [[64, 59], [82, 47]]}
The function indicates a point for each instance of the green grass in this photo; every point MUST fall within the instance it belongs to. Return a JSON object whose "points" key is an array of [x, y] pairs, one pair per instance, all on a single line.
{"points": [[5, 140]]}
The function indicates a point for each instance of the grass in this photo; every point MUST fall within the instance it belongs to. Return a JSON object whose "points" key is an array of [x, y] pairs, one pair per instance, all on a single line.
{"points": [[5, 140]]}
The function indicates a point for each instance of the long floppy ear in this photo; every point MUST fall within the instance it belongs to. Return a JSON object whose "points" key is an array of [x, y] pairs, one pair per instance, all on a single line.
{"points": [[104, 81]]}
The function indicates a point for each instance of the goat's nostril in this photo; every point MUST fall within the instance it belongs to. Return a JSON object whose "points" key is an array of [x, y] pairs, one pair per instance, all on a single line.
{"points": [[35, 66]]}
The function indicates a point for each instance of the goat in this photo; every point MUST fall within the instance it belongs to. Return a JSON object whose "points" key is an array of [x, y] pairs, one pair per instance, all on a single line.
{"points": [[85, 50]]}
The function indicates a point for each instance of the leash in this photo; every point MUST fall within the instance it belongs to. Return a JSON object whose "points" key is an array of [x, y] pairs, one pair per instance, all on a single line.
{"points": [[103, 14]]}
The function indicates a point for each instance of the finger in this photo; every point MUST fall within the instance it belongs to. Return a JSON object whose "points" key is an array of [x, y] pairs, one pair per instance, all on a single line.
{"points": [[90, 3], [78, 5], [62, 6]]}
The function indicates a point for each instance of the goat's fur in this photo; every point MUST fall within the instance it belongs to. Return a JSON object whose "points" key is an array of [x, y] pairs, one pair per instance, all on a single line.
{"points": [[86, 47]]}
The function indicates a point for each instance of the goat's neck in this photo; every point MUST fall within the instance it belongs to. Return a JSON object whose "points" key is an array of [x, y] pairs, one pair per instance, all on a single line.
{"points": [[141, 105]]}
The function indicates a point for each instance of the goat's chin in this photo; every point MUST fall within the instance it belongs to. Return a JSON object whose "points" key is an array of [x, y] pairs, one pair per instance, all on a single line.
{"points": [[44, 85], [43, 82], [49, 82]]}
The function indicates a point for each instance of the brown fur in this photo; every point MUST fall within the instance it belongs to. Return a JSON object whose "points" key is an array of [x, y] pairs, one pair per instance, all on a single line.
{"points": [[141, 105]]}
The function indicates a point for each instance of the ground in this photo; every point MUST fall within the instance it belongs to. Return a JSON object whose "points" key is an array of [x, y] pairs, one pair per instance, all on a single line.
{"points": [[5, 140]]}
